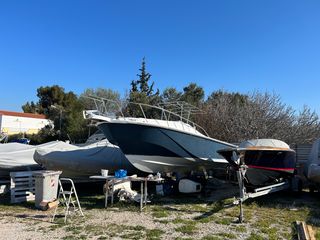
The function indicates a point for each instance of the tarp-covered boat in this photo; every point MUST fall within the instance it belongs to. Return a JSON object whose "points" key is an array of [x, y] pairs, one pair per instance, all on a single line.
{"points": [[19, 157], [81, 162]]}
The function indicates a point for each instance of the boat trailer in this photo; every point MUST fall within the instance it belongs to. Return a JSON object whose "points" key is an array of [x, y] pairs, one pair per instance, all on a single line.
{"points": [[244, 195]]}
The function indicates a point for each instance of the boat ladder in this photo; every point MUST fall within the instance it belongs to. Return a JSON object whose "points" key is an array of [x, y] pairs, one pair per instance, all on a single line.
{"points": [[68, 199]]}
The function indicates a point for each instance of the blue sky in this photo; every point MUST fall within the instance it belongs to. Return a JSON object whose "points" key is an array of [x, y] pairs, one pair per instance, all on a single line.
{"points": [[244, 46]]}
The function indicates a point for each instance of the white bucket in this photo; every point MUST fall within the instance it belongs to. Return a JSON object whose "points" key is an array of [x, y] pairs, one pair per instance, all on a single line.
{"points": [[104, 172]]}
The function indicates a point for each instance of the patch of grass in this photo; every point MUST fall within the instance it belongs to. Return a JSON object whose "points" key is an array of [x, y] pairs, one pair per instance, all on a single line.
{"points": [[161, 221], [57, 224], [154, 234], [136, 228], [102, 238], [197, 207], [255, 236], [83, 237], [160, 214], [184, 221], [70, 237], [262, 223], [132, 235], [224, 221], [209, 215], [94, 230], [241, 229], [288, 235], [183, 238], [227, 235], [74, 229], [271, 232], [186, 229], [204, 219], [211, 237]]}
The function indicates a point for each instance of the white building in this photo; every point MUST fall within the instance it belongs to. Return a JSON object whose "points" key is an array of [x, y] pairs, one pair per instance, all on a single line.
{"points": [[17, 122]]}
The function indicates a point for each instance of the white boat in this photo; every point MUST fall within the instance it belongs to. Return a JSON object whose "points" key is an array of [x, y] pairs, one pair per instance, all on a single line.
{"points": [[159, 140]]}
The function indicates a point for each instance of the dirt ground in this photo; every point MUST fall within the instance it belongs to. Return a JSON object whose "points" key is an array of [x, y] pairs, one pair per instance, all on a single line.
{"points": [[176, 217]]}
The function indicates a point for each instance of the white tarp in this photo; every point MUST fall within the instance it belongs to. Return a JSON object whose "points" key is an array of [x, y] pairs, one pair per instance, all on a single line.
{"points": [[264, 143], [312, 168], [18, 156]]}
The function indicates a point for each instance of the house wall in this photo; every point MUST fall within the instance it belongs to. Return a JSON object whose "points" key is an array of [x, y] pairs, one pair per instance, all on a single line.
{"points": [[15, 124]]}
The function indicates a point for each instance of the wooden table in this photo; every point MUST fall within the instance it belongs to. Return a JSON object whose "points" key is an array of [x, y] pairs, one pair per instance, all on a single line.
{"points": [[143, 186]]}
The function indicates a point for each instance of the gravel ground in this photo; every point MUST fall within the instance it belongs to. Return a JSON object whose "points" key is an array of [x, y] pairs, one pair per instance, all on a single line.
{"points": [[181, 217], [30, 226]]}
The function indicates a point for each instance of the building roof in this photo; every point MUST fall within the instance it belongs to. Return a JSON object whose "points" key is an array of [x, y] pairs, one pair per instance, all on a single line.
{"points": [[20, 114]]}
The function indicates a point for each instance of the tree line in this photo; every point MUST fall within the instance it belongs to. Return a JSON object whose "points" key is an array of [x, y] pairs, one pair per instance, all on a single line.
{"points": [[227, 116]]}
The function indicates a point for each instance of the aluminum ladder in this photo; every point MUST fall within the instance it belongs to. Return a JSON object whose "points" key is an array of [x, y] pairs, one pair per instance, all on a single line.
{"points": [[65, 198]]}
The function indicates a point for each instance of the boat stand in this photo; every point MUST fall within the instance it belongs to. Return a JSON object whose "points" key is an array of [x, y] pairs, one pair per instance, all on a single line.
{"points": [[244, 195]]}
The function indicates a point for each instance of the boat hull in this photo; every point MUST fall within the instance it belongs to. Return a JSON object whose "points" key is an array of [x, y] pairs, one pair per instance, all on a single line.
{"points": [[156, 149]]}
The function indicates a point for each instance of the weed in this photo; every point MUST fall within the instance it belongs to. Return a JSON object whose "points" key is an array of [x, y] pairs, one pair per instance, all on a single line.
{"points": [[102, 238], [132, 235], [136, 228], [153, 234], [160, 214], [255, 236], [183, 238], [227, 235], [224, 221], [241, 229], [211, 237], [184, 221], [162, 221], [74, 229], [70, 237], [187, 229]]}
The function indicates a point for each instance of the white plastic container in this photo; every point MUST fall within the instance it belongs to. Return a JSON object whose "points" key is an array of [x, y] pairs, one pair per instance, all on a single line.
{"points": [[189, 186], [104, 172], [46, 186]]}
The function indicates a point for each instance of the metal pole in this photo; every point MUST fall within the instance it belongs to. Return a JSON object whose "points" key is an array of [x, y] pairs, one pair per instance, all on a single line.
{"points": [[141, 196], [60, 123], [106, 194], [145, 191], [240, 175]]}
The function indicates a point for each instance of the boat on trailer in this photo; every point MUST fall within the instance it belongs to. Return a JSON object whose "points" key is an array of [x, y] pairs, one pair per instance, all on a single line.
{"points": [[267, 161], [158, 138]]}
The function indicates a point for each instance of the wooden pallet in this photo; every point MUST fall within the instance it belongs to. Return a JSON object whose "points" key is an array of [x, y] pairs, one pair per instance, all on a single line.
{"points": [[22, 186], [304, 231]]}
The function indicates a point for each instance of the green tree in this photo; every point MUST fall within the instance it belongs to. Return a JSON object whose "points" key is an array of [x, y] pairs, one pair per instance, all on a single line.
{"points": [[193, 94], [142, 84], [171, 95], [106, 93], [53, 95], [30, 107], [142, 92], [60, 107]]}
